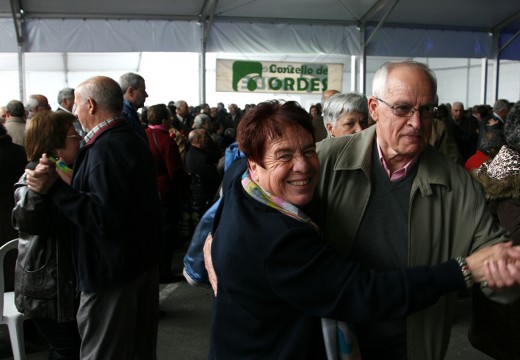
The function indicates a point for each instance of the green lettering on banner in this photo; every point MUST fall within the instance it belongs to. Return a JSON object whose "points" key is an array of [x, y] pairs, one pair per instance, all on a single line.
{"points": [[289, 84], [252, 75], [275, 83]]}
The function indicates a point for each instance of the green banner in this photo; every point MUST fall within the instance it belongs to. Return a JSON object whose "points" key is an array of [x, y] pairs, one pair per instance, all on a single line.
{"points": [[278, 77]]}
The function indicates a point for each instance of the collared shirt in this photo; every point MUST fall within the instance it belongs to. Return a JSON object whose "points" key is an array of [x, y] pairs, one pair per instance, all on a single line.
{"points": [[63, 109], [499, 118], [398, 174], [98, 128]]}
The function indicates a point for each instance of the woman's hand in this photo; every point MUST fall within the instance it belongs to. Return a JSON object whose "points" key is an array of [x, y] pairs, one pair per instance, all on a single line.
{"points": [[498, 265], [208, 262]]}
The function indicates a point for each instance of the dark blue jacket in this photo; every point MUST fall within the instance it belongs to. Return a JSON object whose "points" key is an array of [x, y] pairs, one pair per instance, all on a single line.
{"points": [[276, 278], [114, 205]]}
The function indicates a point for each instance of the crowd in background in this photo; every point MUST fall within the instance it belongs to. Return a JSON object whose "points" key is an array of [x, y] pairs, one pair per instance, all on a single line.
{"points": [[187, 145]]}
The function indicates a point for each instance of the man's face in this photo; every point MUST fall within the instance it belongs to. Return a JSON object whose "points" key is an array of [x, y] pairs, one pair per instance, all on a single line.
{"points": [[43, 104], [68, 104], [403, 137], [182, 110], [81, 110], [139, 95], [457, 111]]}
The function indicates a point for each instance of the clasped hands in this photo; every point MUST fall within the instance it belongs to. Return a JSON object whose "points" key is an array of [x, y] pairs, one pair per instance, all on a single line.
{"points": [[42, 178], [497, 266]]}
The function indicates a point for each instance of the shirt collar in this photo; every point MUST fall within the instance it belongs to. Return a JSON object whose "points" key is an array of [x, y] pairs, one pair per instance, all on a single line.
{"points": [[398, 174], [98, 128]]}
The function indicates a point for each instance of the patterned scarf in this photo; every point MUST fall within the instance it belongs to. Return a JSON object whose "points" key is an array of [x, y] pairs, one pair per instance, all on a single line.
{"points": [[256, 192]]}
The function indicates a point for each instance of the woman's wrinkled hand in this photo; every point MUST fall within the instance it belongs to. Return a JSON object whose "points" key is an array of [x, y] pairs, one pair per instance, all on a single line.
{"points": [[208, 263], [497, 266]]}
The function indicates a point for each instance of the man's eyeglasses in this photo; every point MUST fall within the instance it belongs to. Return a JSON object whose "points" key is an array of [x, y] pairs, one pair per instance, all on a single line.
{"points": [[426, 111]]}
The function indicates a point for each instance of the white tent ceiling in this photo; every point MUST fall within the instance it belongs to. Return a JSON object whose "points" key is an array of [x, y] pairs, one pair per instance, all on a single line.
{"points": [[323, 28], [178, 20]]}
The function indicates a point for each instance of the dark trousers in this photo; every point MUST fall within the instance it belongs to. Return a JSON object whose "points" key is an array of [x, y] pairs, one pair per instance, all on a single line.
{"points": [[63, 338], [169, 237], [121, 323]]}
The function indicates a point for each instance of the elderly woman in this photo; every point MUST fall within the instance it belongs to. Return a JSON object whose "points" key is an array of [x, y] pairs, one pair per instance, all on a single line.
{"points": [[45, 281], [172, 180], [276, 275], [496, 328], [345, 114]]}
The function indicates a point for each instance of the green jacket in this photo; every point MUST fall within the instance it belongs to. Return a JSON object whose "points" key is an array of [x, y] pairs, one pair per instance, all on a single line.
{"points": [[448, 218]]}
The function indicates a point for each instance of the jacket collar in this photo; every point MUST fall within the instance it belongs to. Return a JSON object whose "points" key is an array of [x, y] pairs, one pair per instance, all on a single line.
{"points": [[432, 164]]}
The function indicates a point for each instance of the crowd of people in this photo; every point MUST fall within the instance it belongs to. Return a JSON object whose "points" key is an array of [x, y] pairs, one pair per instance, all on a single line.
{"points": [[368, 193]]}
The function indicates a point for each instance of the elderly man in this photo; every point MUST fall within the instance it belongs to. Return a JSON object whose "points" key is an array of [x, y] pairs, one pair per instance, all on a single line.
{"points": [[36, 103], [389, 200], [134, 93], [66, 103], [464, 130], [15, 121], [113, 203]]}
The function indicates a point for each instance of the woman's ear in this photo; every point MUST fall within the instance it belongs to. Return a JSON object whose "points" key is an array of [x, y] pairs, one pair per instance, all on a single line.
{"points": [[329, 127], [253, 167]]}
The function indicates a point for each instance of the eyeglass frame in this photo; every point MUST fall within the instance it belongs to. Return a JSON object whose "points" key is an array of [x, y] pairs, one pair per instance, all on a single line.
{"points": [[75, 136], [431, 113]]}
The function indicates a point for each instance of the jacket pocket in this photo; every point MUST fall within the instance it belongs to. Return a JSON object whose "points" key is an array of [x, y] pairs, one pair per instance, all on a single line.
{"points": [[39, 283]]}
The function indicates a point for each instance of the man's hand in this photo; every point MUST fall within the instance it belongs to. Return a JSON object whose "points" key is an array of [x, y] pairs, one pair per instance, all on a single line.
{"points": [[42, 178], [208, 262]]}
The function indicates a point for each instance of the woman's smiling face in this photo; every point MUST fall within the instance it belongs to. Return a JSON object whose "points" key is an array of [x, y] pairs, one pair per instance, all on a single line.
{"points": [[290, 168]]}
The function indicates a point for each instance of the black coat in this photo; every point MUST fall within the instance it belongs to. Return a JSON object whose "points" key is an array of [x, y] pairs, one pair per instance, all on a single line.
{"points": [[113, 204], [277, 277]]}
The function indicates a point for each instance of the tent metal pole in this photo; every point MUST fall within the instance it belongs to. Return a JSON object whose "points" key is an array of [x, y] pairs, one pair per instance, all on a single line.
{"points": [[483, 81], [353, 73], [496, 58], [510, 41], [17, 12], [202, 65], [362, 61]]}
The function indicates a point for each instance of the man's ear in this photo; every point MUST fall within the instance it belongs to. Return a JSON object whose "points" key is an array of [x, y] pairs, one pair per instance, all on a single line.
{"points": [[373, 108], [92, 106]]}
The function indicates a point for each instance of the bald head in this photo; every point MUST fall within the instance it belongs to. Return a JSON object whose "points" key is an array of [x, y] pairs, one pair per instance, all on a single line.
{"points": [[197, 138], [97, 99], [327, 94], [457, 110]]}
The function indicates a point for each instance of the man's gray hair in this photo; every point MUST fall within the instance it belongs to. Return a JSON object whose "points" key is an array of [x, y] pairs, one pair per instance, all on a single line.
{"points": [[501, 105], [200, 120], [65, 93], [381, 75], [15, 108], [130, 80], [344, 104]]}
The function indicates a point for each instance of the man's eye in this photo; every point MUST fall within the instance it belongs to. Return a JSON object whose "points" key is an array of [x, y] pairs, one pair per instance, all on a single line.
{"points": [[403, 108]]}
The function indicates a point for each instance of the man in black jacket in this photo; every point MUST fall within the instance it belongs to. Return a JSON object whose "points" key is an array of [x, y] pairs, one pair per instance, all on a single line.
{"points": [[114, 204]]}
